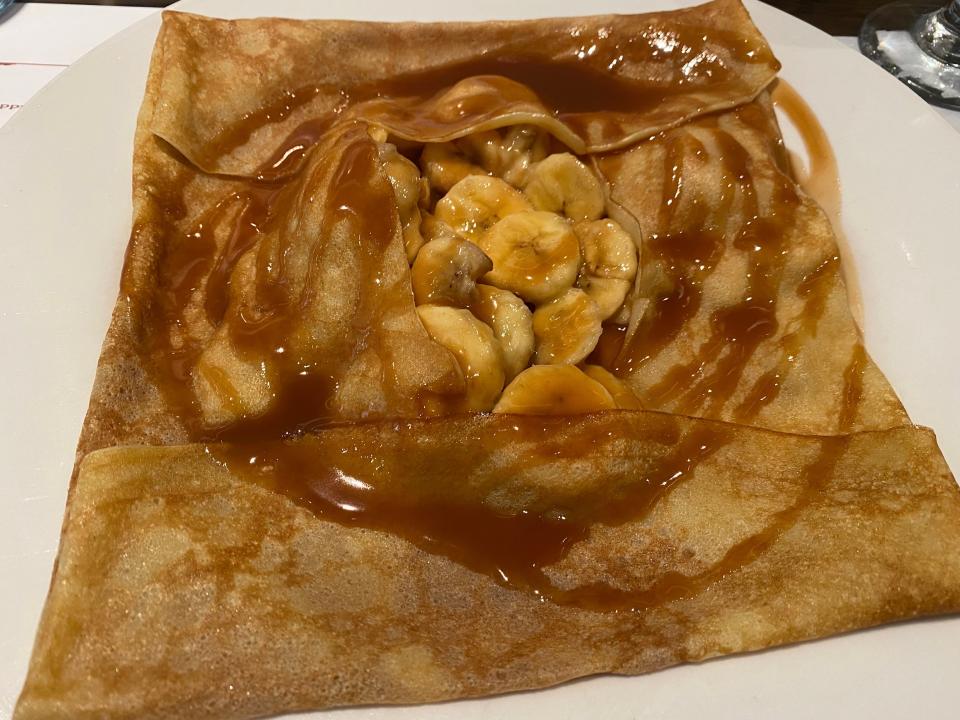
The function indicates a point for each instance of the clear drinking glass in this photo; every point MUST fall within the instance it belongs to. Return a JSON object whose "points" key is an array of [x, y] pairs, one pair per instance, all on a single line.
{"points": [[920, 44]]}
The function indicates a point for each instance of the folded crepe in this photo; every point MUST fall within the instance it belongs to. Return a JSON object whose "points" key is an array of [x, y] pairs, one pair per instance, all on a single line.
{"points": [[278, 502], [192, 586]]}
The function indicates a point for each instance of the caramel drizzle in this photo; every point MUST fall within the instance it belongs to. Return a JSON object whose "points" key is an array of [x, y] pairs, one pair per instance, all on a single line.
{"points": [[193, 266], [288, 102], [852, 387], [517, 548], [514, 548], [737, 330], [813, 288], [690, 255], [820, 179], [586, 82]]}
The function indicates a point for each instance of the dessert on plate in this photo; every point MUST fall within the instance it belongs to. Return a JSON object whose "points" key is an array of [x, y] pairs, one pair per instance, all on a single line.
{"points": [[462, 358]]}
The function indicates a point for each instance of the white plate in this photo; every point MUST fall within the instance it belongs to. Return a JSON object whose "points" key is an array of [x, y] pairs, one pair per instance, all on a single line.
{"points": [[64, 222]]}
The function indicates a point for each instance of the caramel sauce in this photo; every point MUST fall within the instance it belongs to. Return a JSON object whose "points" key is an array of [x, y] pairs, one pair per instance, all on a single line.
{"points": [[569, 87], [417, 493], [239, 133], [814, 289], [820, 178], [852, 387], [814, 479], [302, 402], [689, 241], [429, 509], [672, 586], [193, 264], [689, 255], [608, 346]]}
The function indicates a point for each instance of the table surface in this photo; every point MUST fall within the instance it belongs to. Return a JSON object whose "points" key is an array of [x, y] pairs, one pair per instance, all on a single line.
{"points": [[837, 17]]}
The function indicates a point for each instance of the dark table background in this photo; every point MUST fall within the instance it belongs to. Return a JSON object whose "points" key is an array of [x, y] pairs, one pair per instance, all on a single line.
{"points": [[837, 17]]}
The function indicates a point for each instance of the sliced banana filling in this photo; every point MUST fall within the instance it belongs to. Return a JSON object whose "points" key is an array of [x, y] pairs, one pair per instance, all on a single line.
{"points": [[515, 265]]}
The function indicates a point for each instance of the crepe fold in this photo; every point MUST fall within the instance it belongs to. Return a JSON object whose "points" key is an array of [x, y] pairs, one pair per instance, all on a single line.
{"points": [[210, 569], [188, 586], [666, 67]]}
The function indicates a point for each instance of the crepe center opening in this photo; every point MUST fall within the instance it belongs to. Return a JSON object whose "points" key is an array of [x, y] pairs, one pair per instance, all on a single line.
{"points": [[515, 265]]}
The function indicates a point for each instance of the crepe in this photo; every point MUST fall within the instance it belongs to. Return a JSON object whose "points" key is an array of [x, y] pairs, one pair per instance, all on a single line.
{"points": [[278, 503], [747, 317], [189, 587]]}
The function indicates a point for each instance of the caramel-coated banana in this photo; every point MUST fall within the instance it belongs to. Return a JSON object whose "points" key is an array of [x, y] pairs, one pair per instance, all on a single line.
{"points": [[405, 178], [609, 263], [446, 272], [554, 390], [475, 348], [512, 325], [566, 329], [621, 393], [535, 255], [562, 184], [478, 202]]}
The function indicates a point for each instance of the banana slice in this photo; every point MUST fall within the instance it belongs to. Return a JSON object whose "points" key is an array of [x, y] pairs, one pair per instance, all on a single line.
{"points": [[621, 393], [412, 241], [512, 324], [477, 202], [377, 133], [608, 250], [446, 272], [405, 178], [561, 183], [609, 263], [607, 293], [566, 329], [433, 229], [444, 165], [523, 146], [535, 255], [508, 155], [554, 390], [483, 147], [475, 348]]}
